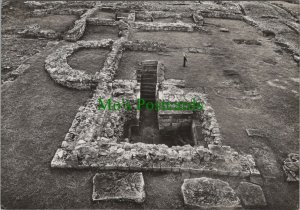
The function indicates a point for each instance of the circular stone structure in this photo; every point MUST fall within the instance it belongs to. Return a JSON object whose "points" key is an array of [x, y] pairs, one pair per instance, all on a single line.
{"points": [[60, 71]]}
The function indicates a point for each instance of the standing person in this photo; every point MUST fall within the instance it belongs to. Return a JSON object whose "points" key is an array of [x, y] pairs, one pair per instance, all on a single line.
{"points": [[184, 59], [116, 16]]}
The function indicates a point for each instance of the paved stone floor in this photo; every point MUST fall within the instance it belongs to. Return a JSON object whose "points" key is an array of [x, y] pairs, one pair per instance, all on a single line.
{"points": [[58, 151]]}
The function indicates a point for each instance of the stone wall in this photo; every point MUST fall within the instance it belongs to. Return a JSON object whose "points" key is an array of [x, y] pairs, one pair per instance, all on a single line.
{"points": [[53, 11], [173, 120], [59, 4], [95, 138], [142, 26], [60, 71], [144, 45], [79, 27], [198, 19], [131, 17], [165, 14], [101, 22], [36, 31], [174, 91]]}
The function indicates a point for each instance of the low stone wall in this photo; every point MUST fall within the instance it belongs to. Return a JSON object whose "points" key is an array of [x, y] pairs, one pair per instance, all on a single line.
{"points": [[142, 26], [60, 71], [174, 91], [124, 96], [164, 14], [198, 19], [59, 4], [227, 10], [131, 17], [214, 160], [144, 45], [35, 31], [101, 22], [54, 11], [143, 16], [95, 138], [87, 126], [79, 27], [172, 120]]}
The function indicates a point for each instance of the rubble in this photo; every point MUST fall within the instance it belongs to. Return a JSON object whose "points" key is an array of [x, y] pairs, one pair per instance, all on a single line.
{"points": [[291, 167]]}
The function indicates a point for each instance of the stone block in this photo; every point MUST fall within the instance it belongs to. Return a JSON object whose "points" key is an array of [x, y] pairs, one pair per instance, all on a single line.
{"points": [[251, 195], [121, 186], [209, 193]]}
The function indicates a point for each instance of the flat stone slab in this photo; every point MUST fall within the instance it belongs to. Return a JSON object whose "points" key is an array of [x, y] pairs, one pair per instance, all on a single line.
{"points": [[255, 132], [251, 195], [120, 186], [209, 193]]}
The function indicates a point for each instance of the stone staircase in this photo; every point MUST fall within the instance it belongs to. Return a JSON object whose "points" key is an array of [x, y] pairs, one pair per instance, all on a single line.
{"points": [[148, 79]]}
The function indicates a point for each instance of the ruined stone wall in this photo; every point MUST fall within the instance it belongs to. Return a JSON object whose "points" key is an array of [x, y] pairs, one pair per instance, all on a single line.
{"points": [[173, 91], [145, 45], [124, 96], [60, 71], [165, 14], [65, 11], [101, 22], [79, 27], [36, 31], [142, 26], [172, 120]]}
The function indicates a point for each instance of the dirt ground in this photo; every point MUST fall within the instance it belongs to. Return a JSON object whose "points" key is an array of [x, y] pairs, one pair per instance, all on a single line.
{"points": [[36, 113]]}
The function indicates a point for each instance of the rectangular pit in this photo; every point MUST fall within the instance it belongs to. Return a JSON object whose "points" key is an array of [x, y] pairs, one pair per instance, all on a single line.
{"points": [[93, 32]]}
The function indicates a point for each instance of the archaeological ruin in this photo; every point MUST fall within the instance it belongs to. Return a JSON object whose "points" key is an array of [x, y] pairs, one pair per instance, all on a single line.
{"points": [[61, 149]]}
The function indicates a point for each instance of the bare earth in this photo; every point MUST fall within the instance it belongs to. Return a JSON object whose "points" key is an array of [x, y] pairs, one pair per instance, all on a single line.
{"points": [[36, 113]]}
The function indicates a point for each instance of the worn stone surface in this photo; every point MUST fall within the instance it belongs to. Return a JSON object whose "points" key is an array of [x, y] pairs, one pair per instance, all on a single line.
{"points": [[251, 195], [121, 186], [95, 139], [208, 193], [255, 132], [291, 167]]}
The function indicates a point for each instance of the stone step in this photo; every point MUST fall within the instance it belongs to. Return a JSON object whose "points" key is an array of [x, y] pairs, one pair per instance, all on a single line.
{"points": [[148, 92], [148, 83], [149, 71], [148, 80], [149, 76], [147, 95], [148, 86]]}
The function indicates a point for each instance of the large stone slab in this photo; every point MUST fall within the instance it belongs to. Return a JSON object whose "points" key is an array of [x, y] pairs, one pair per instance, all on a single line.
{"points": [[251, 195], [120, 186], [209, 193]]}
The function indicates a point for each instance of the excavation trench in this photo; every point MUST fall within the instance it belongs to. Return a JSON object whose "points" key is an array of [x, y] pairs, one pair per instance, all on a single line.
{"points": [[148, 130]]}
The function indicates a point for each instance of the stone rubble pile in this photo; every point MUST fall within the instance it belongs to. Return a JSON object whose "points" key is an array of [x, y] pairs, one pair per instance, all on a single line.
{"points": [[291, 167], [36, 31]]}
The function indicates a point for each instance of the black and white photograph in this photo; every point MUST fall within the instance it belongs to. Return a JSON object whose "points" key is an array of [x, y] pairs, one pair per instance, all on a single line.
{"points": [[150, 104]]}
